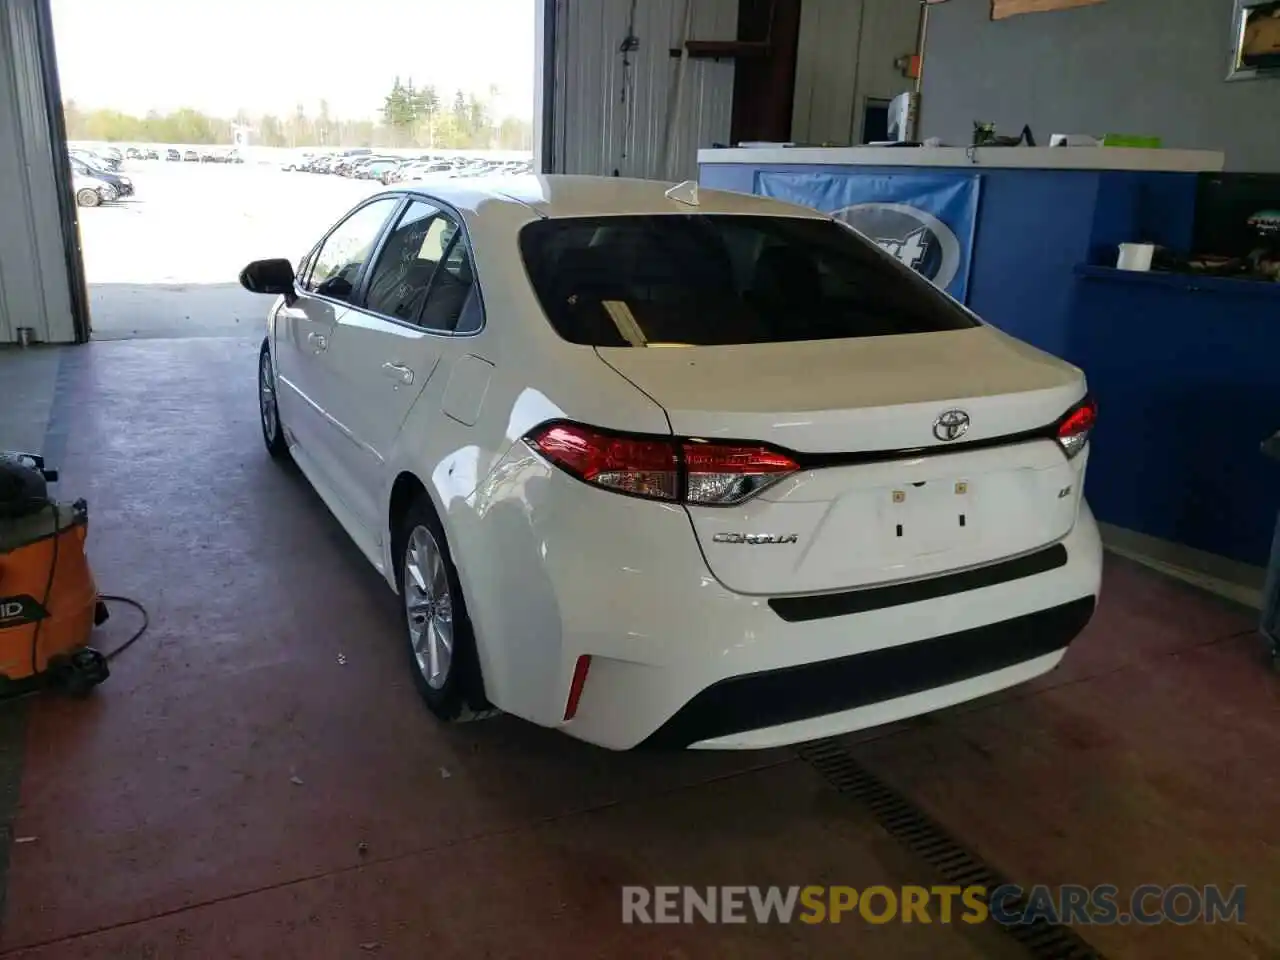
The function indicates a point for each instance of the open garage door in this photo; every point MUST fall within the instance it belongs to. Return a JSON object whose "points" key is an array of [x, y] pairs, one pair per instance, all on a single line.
{"points": [[42, 292], [146, 173]]}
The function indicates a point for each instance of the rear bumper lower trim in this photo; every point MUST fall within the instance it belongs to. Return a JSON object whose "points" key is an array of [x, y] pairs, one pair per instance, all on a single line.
{"points": [[818, 607], [776, 697]]}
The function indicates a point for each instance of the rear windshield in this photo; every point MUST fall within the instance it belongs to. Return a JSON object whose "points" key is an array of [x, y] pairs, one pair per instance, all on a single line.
{"points": [[715, 280]]}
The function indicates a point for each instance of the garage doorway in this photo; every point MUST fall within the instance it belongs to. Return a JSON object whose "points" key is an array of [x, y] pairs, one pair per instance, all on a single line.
{"points": [[201, 137]]}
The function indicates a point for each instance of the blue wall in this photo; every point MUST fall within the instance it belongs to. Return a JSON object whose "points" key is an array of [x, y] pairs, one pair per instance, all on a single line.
{"points": [[1187, 377], [1187, 380]]}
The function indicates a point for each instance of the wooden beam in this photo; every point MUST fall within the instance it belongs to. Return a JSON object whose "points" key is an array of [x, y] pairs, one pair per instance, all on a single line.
{"points": [[725, 49], [1000, 9]]}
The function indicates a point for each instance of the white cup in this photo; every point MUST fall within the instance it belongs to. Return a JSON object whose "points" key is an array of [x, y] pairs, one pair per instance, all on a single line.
{"points": [[1136, 256]]}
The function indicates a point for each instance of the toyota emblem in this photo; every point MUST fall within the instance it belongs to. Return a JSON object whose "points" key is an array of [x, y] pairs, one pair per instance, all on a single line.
{"points": [[951, 425]]}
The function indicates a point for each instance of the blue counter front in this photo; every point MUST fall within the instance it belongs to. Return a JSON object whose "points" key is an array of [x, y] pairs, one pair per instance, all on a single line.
{"points": [[1186, 371], [1187, 375]]}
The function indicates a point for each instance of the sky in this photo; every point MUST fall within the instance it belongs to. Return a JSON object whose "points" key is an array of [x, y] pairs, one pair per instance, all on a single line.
{"points": [[267, 56]]}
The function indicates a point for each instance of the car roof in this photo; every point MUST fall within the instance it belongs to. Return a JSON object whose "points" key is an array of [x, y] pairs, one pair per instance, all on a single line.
{"points": [[565, 195]]}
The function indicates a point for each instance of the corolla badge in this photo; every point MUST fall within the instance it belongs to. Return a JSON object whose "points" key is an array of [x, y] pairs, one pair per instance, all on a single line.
{"points": [[951, 425], [919, 240], [755, 539]]}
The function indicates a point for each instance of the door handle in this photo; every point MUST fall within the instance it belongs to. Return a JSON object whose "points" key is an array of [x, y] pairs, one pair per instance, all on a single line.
{"points": [[318, 340], [398, 372]]}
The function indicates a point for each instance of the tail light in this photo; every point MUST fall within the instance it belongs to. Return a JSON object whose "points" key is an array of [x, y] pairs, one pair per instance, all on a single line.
{"points": [[1075, 426], [696, 472]]}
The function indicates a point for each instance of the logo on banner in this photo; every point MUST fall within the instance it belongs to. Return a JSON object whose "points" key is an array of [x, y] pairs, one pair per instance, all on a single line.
{"points": [[917, 239]]}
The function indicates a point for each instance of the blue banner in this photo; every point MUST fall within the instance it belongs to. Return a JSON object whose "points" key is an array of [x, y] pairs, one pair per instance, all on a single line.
{"points": [[926, 220]]}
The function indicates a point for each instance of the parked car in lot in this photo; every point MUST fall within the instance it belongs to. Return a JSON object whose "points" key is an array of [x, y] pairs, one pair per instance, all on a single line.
{"points": [[100, 160], [835, 499], [122, 184], [354, 166], [172, 154], [133, 153], [190, 156], [377, 169], [296, 161], [151, 154], [417, 169], [90, 191]]}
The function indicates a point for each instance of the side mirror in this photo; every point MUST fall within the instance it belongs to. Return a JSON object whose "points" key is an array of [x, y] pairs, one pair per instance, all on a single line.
{"points": [[268, 276]]}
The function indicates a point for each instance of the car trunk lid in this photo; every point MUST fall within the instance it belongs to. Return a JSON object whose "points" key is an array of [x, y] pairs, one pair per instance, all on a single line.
{"points": [[881, 495]]}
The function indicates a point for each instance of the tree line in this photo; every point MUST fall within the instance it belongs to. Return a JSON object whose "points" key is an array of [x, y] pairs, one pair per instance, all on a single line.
{"points": [[410, 117]]}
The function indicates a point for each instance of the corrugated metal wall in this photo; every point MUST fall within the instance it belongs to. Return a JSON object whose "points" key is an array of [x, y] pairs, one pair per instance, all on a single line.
{"points": [[34, 287], [847, 49], [596, 131]]}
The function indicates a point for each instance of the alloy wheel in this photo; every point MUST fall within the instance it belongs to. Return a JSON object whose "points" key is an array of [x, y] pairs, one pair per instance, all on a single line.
{"points": [[267, 397], [428, 603]]}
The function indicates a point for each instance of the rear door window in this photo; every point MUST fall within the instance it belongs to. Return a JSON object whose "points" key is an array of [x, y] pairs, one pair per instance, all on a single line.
{"points": [[715, 280], [399, 282], [424, 274]]}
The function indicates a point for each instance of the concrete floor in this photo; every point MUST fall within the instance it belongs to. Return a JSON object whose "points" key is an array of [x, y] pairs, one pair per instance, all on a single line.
{"points": [[258, 778]]}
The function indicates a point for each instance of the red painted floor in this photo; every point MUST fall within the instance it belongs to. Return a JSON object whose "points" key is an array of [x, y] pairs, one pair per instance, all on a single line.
{"points": [[258, 779]]}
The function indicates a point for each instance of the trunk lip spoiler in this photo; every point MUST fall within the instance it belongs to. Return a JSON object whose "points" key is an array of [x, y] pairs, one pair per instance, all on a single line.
{"points": [[816, 461]]}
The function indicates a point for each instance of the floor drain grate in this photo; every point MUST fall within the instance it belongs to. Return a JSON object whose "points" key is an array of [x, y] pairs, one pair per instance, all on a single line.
{"points": [[932, 844]]}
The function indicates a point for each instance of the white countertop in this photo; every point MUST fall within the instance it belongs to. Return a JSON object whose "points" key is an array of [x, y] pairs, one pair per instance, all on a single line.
{"points": [[1035, 158]]}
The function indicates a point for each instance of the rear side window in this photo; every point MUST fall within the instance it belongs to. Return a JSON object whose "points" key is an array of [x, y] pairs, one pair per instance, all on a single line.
{"points": [[423, 275], [715, 280]]}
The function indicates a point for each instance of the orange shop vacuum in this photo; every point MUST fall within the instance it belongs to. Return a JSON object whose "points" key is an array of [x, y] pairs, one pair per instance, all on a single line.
{"points": [[49, 603]]}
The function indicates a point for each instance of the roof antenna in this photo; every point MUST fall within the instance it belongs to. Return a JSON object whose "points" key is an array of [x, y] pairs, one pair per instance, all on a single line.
{"points": [[686, 192]]}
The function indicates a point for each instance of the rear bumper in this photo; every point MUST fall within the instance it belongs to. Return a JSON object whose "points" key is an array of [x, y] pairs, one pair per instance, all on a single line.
{"points": [[555, 570], [830, 694]]}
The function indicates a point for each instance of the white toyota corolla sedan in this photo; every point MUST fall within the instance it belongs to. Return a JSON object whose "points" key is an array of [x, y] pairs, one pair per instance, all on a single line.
{"points": [[656, 466]]}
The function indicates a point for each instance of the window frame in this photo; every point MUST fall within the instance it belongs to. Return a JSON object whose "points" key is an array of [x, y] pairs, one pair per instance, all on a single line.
{"points": [[357, 288], [1239, 23], [448, 210]]}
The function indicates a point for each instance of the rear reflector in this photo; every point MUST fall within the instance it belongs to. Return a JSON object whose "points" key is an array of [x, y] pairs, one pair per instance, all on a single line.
{"points": [[1075, 426], [575, 686], [696, 472]]}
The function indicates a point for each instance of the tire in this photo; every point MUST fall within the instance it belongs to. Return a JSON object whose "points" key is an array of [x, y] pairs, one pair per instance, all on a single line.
{"points": [[88, 197], [448, 677], [269, 407]]}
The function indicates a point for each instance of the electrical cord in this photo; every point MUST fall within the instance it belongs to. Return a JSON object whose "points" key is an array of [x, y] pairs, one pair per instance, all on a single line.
{"points": [[146, 622], [115, 598], [48, 587], [111, 655], [48, 591]]}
